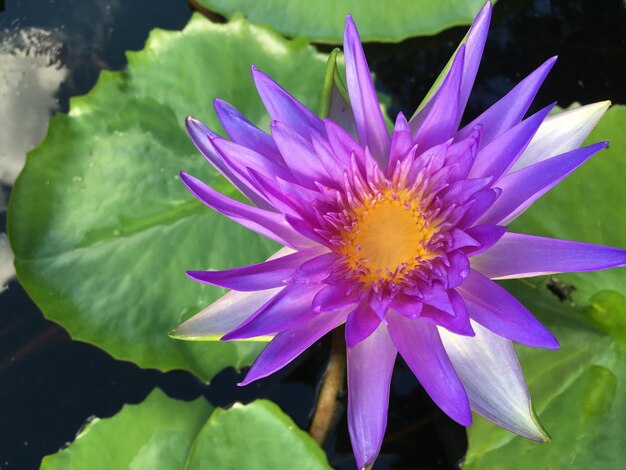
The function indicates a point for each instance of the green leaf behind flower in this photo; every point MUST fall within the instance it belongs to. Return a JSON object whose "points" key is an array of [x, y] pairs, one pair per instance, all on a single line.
{"points": [[579, 391], [163, 433], [103, 230], [256, 436], [323, 21], [156, 434]]}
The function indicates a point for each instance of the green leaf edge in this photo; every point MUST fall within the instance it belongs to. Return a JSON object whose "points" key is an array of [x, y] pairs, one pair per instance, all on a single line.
{"points": [[365, 38], [268, 406], [81, 105], [155, 394], [332, 79]]}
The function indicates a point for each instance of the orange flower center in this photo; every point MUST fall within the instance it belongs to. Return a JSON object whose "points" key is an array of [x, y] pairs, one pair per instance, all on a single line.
{"points": [[389, 236]]}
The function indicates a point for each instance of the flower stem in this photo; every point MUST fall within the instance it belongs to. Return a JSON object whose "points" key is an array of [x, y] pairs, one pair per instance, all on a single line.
{"points": [[327, 409], [214, 17]]}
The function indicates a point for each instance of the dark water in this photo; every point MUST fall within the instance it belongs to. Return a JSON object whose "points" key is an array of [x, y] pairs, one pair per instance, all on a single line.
{"points": [[50, 385], [589, 36]]}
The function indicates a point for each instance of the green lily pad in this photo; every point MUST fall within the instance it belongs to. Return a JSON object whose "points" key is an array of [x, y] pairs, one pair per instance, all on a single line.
{"points": [[101, 227], [155, 434], [255, 436], [323, 21], [168, 434], [579, 391]]}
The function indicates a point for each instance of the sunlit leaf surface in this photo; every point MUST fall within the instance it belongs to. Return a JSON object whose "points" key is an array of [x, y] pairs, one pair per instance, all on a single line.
{"points": [[165, 434], [255, 436], [323, 21], [155, 434]]}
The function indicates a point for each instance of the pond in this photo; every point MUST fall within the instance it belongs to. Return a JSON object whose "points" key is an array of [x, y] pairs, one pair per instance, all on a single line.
{"points": [[50, 385]]}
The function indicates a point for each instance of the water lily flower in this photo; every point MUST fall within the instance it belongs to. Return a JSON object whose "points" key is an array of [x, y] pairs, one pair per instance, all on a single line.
{"points": [[398, 235]]}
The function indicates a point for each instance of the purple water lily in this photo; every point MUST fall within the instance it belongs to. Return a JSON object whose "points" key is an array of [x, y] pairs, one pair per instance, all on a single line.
{"points": [[398, 236]]}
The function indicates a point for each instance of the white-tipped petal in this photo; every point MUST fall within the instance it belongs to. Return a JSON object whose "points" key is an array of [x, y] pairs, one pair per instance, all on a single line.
{"points": [[491, 374], [224, 315], [561, 133], [370, 367], [227, 312]]}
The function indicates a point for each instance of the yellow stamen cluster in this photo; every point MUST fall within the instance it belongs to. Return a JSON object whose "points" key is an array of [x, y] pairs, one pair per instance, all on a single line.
{"points": [[389, 236]]}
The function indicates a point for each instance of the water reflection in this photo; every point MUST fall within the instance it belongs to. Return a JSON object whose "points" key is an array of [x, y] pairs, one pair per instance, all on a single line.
{"points": [[6, 263], [30, 75]]}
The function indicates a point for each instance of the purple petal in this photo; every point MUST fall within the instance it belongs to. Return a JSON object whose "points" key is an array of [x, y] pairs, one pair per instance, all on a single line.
{"points": [[333, 165], [373, 171], [474, 47], [370, 367], [287, 197], [305, 228], [458, 323], [462, 155], [407, 306], [266, 275], [290, 308], [493, 379], [283, 107], [486, 236], [494, 308], [463, 190], [342, 144], [243, 132], [361, 323], [461, 239], [516, 255], [458, 270], [510, 110], [289, 344], [420, 345], [202, 137], [437, 296], [269, 224], [241, 159], [525, 186], [224, 314], [401, 142], [368, 116], [315, 270], [439, 119], [497, 157], [334, 297], [561, 133], [306, 165], [379, 303], [482, 201]]}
